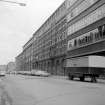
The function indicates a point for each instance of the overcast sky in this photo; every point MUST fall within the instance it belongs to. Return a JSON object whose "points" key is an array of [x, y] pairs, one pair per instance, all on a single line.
{"points": [[17, 24]]}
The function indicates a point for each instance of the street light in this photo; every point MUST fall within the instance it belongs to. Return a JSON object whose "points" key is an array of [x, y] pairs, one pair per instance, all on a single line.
{"points": [[21, 4]]}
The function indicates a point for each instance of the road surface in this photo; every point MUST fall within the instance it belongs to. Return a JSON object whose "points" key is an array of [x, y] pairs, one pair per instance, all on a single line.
{"points": [[30, 90]]}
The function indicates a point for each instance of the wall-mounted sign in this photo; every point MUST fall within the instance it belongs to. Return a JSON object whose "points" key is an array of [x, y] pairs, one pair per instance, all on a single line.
{"points": [[88, 38]]}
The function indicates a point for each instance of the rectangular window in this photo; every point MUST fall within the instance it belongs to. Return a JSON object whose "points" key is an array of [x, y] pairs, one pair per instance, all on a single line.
{"points": [[70, 3]]}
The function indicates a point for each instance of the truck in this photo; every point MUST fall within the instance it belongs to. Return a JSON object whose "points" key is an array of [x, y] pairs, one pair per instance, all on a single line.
{"points": [[85, 66]]}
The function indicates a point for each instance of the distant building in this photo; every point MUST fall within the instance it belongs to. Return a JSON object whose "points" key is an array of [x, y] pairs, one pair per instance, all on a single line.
{"points": [[11, 66]]}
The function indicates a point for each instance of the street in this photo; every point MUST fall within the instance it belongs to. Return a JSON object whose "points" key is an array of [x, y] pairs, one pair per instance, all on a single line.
{"points": [[31, 90]]}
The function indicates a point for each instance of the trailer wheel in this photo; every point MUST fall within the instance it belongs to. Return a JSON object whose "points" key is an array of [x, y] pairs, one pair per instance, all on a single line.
{"points": [[93, 79], [82, 78], [70, 76]]}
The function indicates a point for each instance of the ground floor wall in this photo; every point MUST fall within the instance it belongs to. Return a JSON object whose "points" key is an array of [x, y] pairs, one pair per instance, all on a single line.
{"points": [[55, 65]]}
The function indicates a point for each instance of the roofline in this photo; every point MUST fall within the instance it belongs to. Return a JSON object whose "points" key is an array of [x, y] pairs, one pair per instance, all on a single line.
{"points": [[49, 17]]}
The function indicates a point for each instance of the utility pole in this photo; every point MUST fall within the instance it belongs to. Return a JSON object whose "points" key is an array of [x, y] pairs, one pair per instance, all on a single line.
{"points": [[21, 4]]}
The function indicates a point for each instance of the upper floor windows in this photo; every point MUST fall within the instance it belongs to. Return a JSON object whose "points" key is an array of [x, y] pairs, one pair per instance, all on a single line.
{"points": [[87, 20], [80, 8]]}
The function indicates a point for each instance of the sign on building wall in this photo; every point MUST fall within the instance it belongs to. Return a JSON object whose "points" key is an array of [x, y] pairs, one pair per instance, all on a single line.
{"points": [[84, 39]]}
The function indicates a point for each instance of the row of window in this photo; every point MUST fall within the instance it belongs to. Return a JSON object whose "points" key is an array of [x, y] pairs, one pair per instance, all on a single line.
{"points": [[57, 52], [50, 39], [87, 20], [80, 8], [70, 3], [59, 37], [53, 51], [88, 38], [28, 44], [48, 35], [54, 35], [45, 51]]}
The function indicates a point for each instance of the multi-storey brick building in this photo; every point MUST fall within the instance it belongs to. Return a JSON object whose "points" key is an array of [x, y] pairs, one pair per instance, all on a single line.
{"points": [[76, 28]]}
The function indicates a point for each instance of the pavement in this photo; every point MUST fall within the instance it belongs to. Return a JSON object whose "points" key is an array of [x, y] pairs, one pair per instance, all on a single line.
{"points": [[55, 90]]}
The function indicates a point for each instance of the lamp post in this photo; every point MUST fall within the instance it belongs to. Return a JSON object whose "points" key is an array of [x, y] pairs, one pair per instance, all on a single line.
{"points": [[21, 4]]}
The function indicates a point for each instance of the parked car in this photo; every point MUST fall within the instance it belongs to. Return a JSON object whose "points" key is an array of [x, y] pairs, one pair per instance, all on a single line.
{"points": [[40, 73], [2, 73], [24, 72], [33, 71]]}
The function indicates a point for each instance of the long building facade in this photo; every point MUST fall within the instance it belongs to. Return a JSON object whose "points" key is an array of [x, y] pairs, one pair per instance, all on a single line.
{"points": [[75, 29]]}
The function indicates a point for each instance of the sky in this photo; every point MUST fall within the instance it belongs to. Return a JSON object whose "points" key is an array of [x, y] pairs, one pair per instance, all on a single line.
{"points": [[18, 23]]}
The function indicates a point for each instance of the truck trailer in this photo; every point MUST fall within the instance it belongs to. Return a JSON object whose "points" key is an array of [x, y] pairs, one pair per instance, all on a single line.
{"points": [[85, 66]]}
